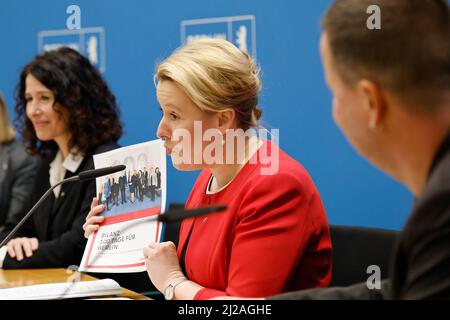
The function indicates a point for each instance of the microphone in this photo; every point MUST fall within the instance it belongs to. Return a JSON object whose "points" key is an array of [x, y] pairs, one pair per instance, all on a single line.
{"points": [[95, 173], [177, 214], [82, 176]]}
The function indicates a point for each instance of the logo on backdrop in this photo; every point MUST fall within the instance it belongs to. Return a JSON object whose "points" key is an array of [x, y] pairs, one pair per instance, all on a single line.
{"points": [[90, 42], [240, 30]]}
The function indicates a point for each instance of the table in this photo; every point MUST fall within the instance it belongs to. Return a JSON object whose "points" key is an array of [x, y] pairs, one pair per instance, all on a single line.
{"points": [[28, 277]]}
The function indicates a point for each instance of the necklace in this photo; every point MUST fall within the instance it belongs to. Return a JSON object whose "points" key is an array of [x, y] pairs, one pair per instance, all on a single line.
{"points": [[210, 189]]}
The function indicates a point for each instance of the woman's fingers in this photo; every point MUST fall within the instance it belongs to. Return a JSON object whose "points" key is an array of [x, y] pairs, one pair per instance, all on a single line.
{"points": [[152, 245], [154, 248], [26, 245], [149, 249], [34, 244], [146, 252], [94, 202], [11, 251], [169, 245], [92, 222], [95, 211], [20, 247], [95, 220], [18, 250], [90, 229]]}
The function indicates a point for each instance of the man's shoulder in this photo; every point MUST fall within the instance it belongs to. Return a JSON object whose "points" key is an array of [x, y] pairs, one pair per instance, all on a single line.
{"points": [[436, 194], [431, 211]]}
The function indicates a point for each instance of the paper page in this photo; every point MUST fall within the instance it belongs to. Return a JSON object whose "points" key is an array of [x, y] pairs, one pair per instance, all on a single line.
{"points": [[132, 198], [62, 290]]}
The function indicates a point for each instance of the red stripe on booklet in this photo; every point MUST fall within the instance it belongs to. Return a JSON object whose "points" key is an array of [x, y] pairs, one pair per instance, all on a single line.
{"points": [[131, 216]]}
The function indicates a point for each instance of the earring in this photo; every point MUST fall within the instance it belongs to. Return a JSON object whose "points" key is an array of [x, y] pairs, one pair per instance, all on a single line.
{"points": [[223, 140]]}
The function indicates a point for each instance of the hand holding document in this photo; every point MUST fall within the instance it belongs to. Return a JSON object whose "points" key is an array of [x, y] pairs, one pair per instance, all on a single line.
{"points": [[131, 199]]}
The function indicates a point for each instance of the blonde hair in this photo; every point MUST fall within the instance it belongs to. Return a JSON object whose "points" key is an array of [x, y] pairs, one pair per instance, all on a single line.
{"points": [[216, 75], [6, 131]]}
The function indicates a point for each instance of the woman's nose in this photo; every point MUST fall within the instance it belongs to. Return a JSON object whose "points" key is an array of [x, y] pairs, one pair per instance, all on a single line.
{"points": [[163, 131], [33, 108]]}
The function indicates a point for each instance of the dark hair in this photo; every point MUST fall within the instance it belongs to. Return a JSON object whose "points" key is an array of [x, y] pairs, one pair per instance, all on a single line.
{"points": [[409, 55], [78, 88]]}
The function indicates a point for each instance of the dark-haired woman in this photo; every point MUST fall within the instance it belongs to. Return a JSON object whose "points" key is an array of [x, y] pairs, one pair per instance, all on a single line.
{"points": [[68, 114]]}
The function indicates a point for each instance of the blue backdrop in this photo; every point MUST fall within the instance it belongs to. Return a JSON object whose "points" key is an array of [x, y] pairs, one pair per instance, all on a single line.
{"points": [[127, 39]]}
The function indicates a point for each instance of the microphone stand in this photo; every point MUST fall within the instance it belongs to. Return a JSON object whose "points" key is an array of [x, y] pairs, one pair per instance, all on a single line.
{"points": [[25, 218], [172, 215], [85, 175]]}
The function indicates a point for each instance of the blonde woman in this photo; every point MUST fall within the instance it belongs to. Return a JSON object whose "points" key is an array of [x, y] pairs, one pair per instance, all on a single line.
{"points": [[274, 235], [17, 172]]}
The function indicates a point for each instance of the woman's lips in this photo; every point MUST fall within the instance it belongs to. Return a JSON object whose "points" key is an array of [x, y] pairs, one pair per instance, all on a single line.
{"points": [[40, 124], [168, 150]]}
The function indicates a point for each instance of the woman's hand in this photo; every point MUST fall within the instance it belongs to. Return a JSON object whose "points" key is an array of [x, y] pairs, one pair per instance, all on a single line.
{"points": [[19, 246], [162, 264], [93, 221]]}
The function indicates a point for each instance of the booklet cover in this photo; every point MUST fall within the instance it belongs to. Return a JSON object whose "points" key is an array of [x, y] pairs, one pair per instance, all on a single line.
{"points": [[132, 199]]}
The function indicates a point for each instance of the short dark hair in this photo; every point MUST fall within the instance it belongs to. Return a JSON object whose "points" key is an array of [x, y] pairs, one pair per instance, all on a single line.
{"points": [[94, 117], [409, 55]]}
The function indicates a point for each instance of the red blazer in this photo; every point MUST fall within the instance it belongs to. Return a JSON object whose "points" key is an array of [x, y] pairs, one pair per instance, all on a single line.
{"points": [[274, 236]]}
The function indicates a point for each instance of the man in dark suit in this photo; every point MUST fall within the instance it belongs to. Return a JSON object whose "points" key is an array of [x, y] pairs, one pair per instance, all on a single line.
{"points": [[115, 192], [391, 89], [122, 182], [151, 184], [145, 183], [140, 182]]}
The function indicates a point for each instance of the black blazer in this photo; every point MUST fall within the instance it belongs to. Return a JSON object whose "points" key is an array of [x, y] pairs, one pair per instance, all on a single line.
{"points": [[57, 223], [17, 172], [421, 259]]}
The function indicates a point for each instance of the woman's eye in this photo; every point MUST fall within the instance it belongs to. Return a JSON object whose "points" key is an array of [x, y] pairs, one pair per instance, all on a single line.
{"points": [[45, 98], [172, 115]]}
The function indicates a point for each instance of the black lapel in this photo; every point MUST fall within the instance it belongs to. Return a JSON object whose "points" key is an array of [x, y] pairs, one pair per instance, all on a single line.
{"points": [[42, 215]]}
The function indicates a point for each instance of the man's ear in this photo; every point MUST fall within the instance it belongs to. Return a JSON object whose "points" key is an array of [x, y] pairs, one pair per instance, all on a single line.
{"points": [[226, 119], [373, 101]]}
